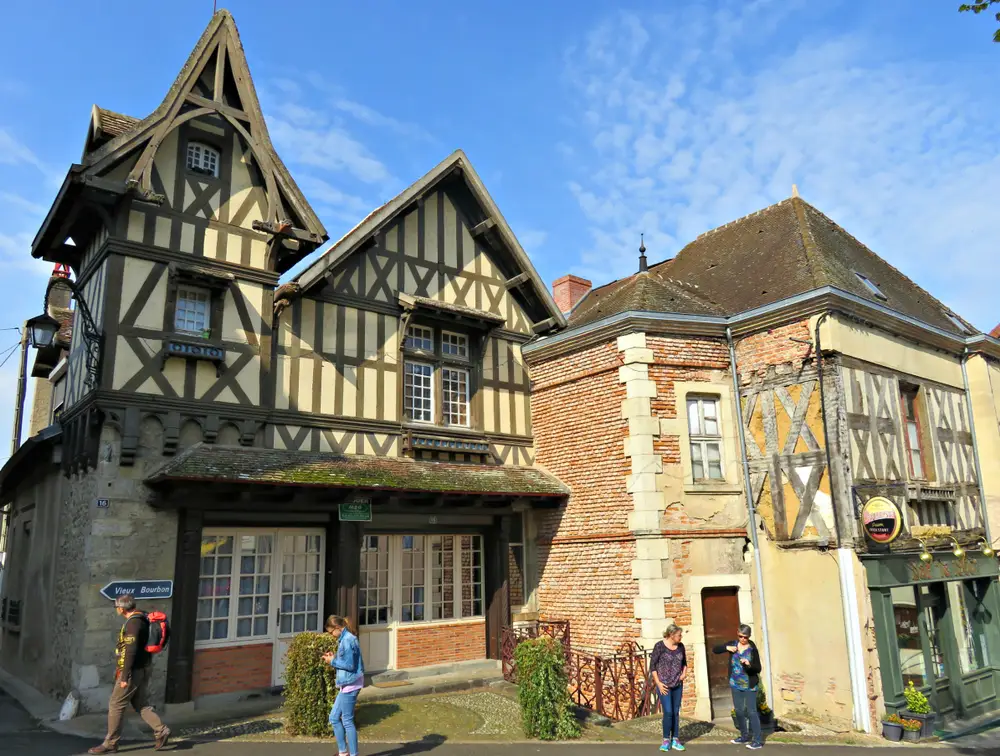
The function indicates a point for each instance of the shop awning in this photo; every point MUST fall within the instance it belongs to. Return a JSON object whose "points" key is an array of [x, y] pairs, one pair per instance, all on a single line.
{"points": [[275, 467]]}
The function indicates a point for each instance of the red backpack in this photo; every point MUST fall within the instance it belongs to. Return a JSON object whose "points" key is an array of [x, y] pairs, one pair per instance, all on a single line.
{"points": [[159, 632]]}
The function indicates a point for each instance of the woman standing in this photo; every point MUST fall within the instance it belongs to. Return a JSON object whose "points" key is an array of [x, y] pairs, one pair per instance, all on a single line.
{"points": [[744, 677], [350, 680], [669, 664]]}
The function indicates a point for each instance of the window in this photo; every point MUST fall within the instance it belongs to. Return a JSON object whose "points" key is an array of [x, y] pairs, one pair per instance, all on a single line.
{"points": [[472, 576], [300, 572], [515, 558], [956, 322], [414, 575], [442, 577], [706, 440], [913, 432], [203, 159], [455, 385], [454, 344], [254, 605], [970, 618], [373, 593], [192, 313], [418, 337], [908, 644], [58, 398], [214, 588], [870, 285], [418, 392]]}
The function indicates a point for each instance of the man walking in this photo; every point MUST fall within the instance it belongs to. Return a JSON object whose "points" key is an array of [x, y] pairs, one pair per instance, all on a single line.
{"points": [[131, 678]]}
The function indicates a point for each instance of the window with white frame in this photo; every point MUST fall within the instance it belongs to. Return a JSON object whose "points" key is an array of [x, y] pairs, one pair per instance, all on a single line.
{"points": [[203, 159], [215, 586], [192, 314], [515, 559], [455, 393], [414, 579], [418, 392], [419, 337], [705, 438], [454, 344]]}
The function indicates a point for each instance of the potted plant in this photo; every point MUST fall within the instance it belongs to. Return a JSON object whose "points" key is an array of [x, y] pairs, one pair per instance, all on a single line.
{"points": [[767, 721], [911, 730], [919, 709], [892, 728]]}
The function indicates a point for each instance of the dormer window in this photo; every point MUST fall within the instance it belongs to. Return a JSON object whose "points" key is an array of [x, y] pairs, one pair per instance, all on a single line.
{"points": [[436, 376], [872, 288], [957, 323], [203, 159]]}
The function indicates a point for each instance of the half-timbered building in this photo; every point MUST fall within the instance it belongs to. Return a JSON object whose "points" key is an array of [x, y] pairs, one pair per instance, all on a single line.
{"points": [[355, 439], [778, 361]]}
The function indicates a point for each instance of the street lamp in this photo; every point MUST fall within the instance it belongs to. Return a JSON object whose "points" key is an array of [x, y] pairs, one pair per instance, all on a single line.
{"points": [[42, 329]]}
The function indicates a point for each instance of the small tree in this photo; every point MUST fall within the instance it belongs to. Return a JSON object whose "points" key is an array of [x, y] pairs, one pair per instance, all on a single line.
{"points": [[979, 7], [543, 692], [310, 687]]}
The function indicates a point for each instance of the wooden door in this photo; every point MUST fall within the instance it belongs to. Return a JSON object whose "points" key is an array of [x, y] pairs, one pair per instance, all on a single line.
{"points": [[721, 610]]}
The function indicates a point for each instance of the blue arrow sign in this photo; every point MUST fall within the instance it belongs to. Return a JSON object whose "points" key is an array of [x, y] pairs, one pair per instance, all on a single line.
{"points": [[140, 589]]}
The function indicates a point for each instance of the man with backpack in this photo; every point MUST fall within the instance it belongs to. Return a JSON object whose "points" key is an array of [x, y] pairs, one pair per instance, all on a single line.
{"points": [[134, 654]]}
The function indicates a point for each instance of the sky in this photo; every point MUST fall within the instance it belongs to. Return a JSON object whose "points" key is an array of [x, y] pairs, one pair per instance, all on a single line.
{"points": [[590, 122]]}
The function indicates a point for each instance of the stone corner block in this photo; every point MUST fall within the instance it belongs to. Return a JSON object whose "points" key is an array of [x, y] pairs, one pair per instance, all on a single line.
{"points": [[643, 426], [637, 407], [633, 372], [634, 340], [638, 444], [649, 608], [637, 355], [648, 521], [643, 569], [641, 388], [656, 588]]}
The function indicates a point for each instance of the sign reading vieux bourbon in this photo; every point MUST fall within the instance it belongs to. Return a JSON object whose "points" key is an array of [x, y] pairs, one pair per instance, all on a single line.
{"points": [[881, 519]]}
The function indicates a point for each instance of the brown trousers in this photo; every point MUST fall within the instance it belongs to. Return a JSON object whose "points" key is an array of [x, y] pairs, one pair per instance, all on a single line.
{"points": [[135, 695]]}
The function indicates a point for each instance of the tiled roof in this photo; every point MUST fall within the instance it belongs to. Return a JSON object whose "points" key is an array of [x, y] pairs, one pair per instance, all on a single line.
{"points": [[232, 464], [115, 124], [455, 309], [995, 333], [783, 250]]}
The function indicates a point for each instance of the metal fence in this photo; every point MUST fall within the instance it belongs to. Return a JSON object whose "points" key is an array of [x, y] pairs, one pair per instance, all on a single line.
{"points": [[617, 686]]}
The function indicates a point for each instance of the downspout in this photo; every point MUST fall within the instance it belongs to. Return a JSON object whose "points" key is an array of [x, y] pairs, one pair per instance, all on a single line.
{"points": [[748, 488], [975, 448], [845, 557]]}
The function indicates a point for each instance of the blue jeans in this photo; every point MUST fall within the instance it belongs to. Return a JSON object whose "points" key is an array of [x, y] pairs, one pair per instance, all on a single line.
{"points": [[745, 703], [671, 703], [342, 719]]}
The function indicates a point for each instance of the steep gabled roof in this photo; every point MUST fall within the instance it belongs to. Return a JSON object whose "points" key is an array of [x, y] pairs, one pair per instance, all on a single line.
{"points": [[105, 125], [786, 249], [456, 164]]}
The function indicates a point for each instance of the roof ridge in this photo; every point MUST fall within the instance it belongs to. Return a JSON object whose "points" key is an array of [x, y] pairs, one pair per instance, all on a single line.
{"points": [[809, 247], [738, 220]]}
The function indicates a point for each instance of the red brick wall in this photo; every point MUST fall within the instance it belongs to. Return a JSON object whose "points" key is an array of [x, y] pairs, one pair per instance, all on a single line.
{"points": [[232, 669], [756, 352], [569, 290], [440, 644]]}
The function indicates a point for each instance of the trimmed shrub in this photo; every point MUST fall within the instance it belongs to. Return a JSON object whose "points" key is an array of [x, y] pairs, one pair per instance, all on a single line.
{"points": [[543, 694], [309, 685]]}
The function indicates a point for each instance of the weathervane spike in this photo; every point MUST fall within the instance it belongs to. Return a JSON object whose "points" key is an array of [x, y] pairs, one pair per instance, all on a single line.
{"points": [[643, 266], [795, 190]]}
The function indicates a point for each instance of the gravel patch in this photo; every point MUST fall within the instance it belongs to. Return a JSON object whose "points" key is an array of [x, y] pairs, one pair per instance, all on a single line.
{"points": [[500, 715]]}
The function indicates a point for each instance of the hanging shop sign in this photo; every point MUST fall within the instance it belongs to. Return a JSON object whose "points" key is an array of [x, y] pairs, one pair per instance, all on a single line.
{"points": [[358, 510], [881, 519]]}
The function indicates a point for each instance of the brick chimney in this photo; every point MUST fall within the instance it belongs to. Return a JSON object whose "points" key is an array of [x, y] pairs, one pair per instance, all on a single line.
{"points": [[569, 290], [60, 296]]}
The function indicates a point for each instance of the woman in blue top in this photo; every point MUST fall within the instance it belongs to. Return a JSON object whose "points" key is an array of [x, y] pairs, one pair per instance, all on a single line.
{"points": [[350, 680], [744, 678]]}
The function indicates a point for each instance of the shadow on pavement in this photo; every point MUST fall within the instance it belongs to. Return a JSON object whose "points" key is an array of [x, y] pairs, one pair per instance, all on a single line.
{"points": [[425, 744]]}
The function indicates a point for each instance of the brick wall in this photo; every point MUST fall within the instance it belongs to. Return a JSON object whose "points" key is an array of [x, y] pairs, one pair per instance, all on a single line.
{"points": [[440, 644], [232, 669], [756, 352]]}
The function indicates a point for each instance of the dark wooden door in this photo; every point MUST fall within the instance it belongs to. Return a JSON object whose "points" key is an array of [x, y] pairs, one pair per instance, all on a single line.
{"points": [[721, 610]]}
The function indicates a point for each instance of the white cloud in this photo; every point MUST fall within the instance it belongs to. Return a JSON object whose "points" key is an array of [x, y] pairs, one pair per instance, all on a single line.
{"points": [[13, 152], [722, 114], [372, 117], [21, 203], [531, 239], [330, 148], [331, 200], [15, 254]]}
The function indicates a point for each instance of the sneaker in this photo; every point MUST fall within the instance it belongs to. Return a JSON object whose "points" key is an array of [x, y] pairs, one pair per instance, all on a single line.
{"points": [[665, 746], [162, 740], [755, 746], [676, 745], [739, 741]]}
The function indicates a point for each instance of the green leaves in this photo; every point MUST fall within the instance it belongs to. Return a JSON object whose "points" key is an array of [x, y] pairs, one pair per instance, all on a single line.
{"points": [[309, 685], [979, 7], [543, 691], [916, 702]]}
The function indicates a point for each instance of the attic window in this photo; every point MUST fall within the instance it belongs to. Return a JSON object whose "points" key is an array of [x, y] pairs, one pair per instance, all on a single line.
{"points": [[957, 323], [203, 159], [870, 285]]}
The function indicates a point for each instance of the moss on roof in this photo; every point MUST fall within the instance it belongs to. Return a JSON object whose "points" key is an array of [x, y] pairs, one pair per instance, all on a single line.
{"points": [[233, 464]]}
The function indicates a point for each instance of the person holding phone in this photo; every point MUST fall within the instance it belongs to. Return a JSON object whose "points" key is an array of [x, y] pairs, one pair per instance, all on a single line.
{"points": [[744, 679], [669, 665], [350, 680]]}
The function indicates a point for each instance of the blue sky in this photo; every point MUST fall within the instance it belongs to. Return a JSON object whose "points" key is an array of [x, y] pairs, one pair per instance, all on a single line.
{"points": [[589, 123]]}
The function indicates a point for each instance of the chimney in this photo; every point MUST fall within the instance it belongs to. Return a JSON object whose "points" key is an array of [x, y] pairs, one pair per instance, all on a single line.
{"points": [[59, 296], [569, 290]]}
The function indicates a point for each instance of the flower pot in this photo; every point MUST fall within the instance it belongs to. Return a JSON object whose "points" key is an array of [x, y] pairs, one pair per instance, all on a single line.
{"points": [[911, 736], [892, 731], [926, 722]]}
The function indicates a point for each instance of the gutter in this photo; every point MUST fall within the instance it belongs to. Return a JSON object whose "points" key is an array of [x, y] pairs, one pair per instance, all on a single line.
{"points": [[752, 523], [975, 448]]}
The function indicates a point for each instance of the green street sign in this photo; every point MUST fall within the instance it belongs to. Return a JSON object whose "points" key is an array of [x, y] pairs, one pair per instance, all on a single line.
{"points": [[359, 510]]}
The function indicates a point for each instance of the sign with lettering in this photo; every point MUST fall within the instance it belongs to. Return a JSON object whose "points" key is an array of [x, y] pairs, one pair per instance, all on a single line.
{"points": [[196, 351], [103, 503], [881, 519], [358, 510], [943, 570], [140, 589]]}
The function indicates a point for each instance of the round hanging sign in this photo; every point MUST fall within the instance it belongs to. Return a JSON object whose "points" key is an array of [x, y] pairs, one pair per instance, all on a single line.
{"points": [[881, 519]]}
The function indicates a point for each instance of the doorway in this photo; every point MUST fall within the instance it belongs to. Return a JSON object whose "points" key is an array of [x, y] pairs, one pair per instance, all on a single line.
{"points": [[721, 611]]}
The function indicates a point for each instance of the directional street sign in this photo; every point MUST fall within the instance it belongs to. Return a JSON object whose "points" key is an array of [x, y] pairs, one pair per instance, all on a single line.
{"points": [[140, 589]]}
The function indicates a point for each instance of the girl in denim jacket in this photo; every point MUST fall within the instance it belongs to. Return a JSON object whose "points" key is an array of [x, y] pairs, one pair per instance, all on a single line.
{"points": [[350, 680]]}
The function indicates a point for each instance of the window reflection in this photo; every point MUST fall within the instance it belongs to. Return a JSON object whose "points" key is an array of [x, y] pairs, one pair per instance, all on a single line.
{"points": [[911, 654], [969, 619]]}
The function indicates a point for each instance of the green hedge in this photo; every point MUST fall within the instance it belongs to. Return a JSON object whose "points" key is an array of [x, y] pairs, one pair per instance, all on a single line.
{"points": [[309, 685], [547, 712]]}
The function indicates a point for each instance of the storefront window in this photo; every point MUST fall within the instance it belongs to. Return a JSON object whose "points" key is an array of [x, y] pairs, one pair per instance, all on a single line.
{"points": [[254, 605], [472, 576], [970, 618], [907, 627], [300, 583], [932, 605], [413, 578], [442, 577], [214, 585], [518, 592], [373, 596]]}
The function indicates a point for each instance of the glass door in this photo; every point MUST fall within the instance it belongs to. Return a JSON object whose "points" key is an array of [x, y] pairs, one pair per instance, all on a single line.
{"points": [[971, 621], [938, 645], [375, 603], [299, 603]]}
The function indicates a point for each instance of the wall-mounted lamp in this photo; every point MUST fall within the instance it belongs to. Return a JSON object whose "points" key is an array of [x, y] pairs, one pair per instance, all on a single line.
{"points": [[958, 551], [925, 555], [986, 548]]}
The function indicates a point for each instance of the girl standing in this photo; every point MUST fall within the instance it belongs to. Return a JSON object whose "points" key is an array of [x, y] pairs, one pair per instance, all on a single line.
{"points": [[669, 664], [350, 680]]}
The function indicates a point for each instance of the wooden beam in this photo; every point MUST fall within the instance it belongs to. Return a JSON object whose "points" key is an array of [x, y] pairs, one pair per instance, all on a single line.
{"points": [[543, 325], [520, 278], [481, 228], [222, 108], [220, 71]]}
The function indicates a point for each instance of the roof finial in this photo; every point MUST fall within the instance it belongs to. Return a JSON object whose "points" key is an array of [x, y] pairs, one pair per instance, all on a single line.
{"points": [[643, 267], [795, 190]]}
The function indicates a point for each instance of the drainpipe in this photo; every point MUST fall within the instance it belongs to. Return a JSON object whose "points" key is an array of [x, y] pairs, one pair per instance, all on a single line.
{"points": [[975, 448], [748, 488], [845, 557]]}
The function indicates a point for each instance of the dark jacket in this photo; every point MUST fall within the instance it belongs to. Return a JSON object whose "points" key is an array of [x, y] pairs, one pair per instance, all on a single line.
{"points": [[131, 650], [752, 669]]}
